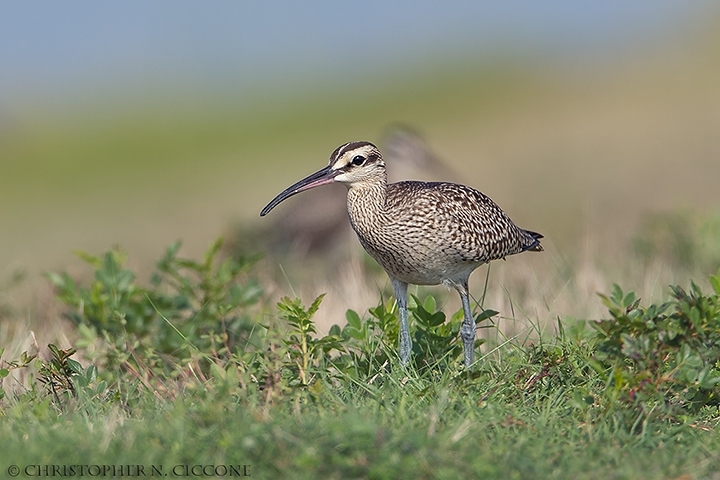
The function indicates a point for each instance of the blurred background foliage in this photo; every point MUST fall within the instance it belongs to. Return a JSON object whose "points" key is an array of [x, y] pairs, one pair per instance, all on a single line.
{"points": [[140, 124]]}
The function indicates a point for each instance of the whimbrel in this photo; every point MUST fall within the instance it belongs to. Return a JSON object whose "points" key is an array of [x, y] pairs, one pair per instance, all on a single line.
{"points": [[421, 233]]}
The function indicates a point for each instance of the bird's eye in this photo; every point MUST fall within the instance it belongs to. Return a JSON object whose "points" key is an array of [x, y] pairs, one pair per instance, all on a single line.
{"points": [[358, 160]]}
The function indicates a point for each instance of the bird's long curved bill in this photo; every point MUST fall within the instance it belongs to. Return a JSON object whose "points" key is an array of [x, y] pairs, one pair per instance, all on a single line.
{"points": [[321, 177]]}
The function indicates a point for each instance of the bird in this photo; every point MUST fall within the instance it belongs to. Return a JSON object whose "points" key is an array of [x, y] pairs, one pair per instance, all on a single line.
{"points": [[421, 233]]}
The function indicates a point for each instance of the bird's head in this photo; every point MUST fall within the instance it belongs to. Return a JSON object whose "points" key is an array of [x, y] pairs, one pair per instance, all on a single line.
{"points": [[354, 163]]}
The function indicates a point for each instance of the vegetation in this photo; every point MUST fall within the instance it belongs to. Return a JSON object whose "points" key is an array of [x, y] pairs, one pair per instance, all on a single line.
{"points": [[194, 369]]}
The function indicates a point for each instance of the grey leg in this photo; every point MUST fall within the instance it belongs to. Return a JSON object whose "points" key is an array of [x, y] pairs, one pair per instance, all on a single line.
{"points": [[467, 330], [400, 288]]}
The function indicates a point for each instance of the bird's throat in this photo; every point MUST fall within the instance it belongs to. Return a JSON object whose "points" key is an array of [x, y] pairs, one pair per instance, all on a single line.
{"points": [[366, 206]]}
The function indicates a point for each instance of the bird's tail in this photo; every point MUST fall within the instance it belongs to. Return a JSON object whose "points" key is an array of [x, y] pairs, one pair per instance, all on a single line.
{"points": [[532, 241]]}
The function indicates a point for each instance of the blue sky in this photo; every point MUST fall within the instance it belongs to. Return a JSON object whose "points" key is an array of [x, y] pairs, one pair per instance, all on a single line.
{"points": [[54, 49]]}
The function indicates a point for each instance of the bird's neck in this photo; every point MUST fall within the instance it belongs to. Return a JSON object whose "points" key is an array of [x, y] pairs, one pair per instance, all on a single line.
{"points": [[366, 204]]}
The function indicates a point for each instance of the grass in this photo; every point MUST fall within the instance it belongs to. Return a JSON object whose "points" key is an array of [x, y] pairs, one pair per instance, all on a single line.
{"points": [[422, 427], [193, 368]]}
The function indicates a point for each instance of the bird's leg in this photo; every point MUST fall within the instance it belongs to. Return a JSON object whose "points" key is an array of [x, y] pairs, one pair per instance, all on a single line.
{"points": [[467, 330], [400, 288]]}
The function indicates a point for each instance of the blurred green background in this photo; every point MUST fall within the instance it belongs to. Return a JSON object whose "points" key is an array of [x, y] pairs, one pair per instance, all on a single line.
{"points": [[140, 123]]}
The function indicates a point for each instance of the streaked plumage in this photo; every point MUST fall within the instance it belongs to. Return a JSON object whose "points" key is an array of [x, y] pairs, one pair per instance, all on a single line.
{"points": [[424, 233]]}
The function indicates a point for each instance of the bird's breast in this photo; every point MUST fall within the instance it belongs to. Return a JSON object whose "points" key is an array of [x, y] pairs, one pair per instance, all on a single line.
{"points": [[412, 250]]}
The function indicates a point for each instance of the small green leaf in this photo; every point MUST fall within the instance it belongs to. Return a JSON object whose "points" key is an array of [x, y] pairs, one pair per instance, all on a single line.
{"points": [[55, 351], [353, 319], [315, 305], [695, 318], [485, 314], [616, 295], [628, 300], [75, 366], [356, 333], [430, 304], [91, 374], [91, 259], [715, 282]]}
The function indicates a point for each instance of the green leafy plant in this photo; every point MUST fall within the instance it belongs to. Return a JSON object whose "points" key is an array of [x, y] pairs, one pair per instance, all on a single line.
{"points": [[305, 350], [187, 307], [7, 366], [371, 342], [436, 339], [65, 379], [367, 343], [662, 357]]}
